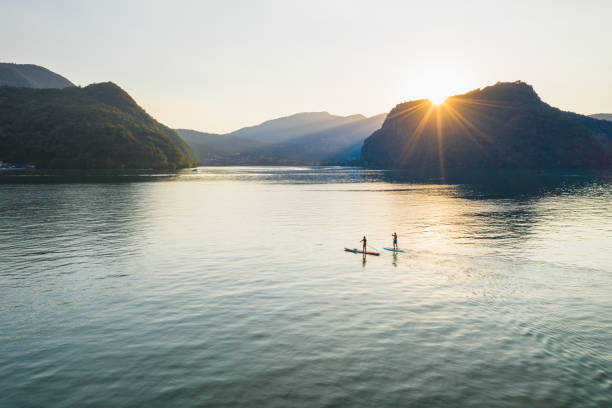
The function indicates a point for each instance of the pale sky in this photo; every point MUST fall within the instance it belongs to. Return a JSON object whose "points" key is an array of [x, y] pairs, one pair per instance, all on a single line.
{"points": [[217, 66]]}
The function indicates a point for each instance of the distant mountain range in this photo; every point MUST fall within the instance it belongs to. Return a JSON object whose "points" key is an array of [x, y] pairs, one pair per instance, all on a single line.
{"points": [[31, 76], [501, 126], [602, 116], [303, 138], [99, 126], [45, 119]]}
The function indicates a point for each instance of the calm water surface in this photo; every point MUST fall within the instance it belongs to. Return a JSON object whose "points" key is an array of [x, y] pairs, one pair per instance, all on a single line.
{"points": [[230, 287]]}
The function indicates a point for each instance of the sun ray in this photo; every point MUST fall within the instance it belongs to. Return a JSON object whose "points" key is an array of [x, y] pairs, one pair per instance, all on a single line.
{"points": [[467, 122], [460, 119], [439, 133], [416, 135], [409, 110], [477, 102], [449, 107]]}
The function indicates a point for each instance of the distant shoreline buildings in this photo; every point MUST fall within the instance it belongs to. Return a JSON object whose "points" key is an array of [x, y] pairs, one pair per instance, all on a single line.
{"points": [[17, 166]]}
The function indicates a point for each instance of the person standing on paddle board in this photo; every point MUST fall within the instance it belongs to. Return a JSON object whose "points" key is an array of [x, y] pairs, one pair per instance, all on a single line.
{"points": [[394, 235], [365, 244]]}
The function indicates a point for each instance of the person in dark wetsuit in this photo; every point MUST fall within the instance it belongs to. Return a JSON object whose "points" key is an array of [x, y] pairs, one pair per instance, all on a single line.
{"points": [[365, 244], [394, 235]]}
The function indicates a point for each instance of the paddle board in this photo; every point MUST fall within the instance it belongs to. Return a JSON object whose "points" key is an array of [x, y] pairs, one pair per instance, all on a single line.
{"points": [[394, 250], [358, 251]]}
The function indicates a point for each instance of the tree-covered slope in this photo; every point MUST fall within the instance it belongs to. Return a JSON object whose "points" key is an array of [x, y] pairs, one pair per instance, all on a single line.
{"points": [[31, 76], [99, 126], [501, 126]]}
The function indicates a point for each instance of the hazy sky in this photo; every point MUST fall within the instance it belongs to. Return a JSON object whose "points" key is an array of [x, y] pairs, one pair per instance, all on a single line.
{"points": [[220, 65]]}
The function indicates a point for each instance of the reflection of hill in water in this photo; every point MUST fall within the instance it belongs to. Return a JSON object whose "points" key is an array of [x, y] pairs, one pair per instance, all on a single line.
{"points": [[470, 184], [500, 184], [501, 210], [83, 176]]}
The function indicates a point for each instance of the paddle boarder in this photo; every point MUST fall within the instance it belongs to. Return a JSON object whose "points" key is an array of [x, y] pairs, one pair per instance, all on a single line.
{"points": [[365, 244], [394, 235]]}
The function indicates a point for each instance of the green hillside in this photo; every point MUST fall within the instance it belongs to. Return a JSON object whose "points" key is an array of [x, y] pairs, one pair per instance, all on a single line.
{"points": [[99, 126]]}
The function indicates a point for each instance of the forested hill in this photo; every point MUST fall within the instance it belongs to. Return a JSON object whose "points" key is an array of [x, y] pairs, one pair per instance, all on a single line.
{"points": [[31, 76], [99, 126], [501, 126]]}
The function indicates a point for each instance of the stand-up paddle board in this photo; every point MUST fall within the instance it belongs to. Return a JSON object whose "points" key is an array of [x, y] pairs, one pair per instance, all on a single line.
{"points": [[358, 251], [394, 250]]}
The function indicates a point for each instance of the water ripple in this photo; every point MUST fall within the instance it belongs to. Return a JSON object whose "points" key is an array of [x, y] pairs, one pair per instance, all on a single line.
{"points": [[229, 287]]}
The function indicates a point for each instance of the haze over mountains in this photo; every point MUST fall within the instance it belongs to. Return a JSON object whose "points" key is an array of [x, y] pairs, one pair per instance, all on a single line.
{"points": [[302, 138], [501, 126], [211, 147], [602, 116], [31, 76]]}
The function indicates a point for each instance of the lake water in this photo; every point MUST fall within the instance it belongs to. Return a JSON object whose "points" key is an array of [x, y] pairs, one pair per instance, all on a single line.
{"points": [[230, 287]]}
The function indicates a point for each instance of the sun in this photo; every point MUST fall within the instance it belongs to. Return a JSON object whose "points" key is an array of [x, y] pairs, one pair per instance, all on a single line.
{"points": [[438, 99], [439, 88], [436, 82]]}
